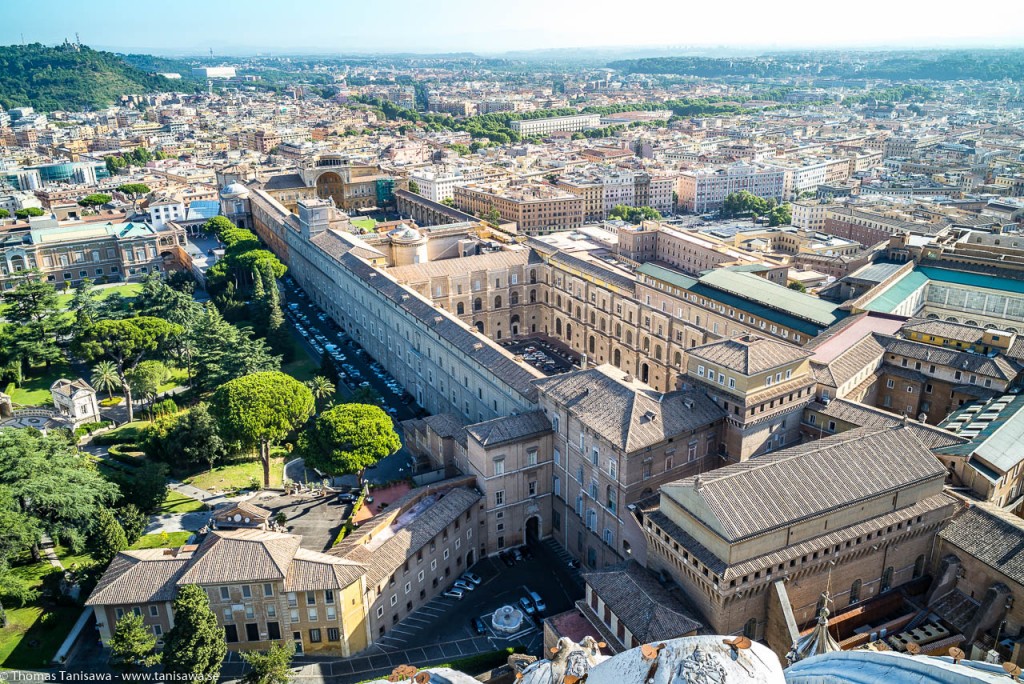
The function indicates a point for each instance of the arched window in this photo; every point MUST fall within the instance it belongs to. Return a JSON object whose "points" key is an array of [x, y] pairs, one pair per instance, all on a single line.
{"points": [[533, 296], [629, 338], [568, 332], [855, 592], [618, 330], [617, 358], [460, 308], [750, 629], [647, 344], [612, 499], [497, 302], [558, 327], [579, 313], [513, 298], [919, 566], [533, 277], [887, 579], [679, 359], [657, 352], [592, 344], [477, 304], [479, 326], [558, 301], [593, 318]]}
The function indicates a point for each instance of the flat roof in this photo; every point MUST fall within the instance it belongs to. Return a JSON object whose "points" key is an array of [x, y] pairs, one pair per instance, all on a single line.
{"points": [[898, 292]]}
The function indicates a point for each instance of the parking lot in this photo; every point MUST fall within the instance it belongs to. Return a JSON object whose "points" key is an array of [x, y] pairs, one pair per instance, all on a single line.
{"points": [[447, 620], [548, 357], [319, 334]]}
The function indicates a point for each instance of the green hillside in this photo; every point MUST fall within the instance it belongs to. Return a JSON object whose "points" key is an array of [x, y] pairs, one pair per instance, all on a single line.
{"points": [[70, 78]]}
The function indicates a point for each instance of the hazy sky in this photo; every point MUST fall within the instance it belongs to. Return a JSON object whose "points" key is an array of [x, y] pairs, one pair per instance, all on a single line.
{"points": [[489, 26]]}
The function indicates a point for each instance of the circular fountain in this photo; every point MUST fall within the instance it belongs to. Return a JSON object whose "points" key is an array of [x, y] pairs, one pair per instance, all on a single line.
{"points": [[507, 620]]}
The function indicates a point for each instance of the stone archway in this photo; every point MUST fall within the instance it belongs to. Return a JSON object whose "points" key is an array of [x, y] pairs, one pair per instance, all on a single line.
{"points": [[330, 186], [533, 529]]}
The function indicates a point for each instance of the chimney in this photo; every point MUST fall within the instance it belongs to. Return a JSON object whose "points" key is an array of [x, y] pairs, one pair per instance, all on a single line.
{"points": [[696, 482]]}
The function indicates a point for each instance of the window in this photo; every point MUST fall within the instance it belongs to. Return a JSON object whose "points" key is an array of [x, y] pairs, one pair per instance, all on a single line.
{"points": [[531, 457], [228, 617], [329, 596], [394, 599], [499, 498], [292, 600], [314, 635], [246, 591], [225, 594], [613, 469], [691, 452], [700, 371], [554, 426], [558, 457], [532, 489], [558, 486], [231, 634], [855, 592], [250, 613], [158, 631], [252, 632], [312, 614], [887, 579], [380, 611], [333, 634], [499, 466], [271, 610], [595, 456], [154, 611], [310, 598], [268, 589]]}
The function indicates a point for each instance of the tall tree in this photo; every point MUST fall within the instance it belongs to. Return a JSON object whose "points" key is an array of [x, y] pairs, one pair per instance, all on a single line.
{"points": [[195, 645], [260, 410], [349, 438], [185, 438], [145, 380], [57, 489], [126, 342], [270, 666], [104, 377], [85, 304], [135, 191], [323, 390], [96, 199], [133, 646], [34, 309], [107, 538]]}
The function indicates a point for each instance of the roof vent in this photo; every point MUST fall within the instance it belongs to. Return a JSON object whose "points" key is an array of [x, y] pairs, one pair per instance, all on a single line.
{"points": [[438, 319], [627, 378], [696, 482], [650, 415], [478, 346], [405, 297], [688, 402]]}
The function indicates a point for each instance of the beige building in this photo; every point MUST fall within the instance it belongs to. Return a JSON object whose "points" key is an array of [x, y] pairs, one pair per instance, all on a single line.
{"points": [[755, 544], [263, 587], [68, 252], [536, 209]]}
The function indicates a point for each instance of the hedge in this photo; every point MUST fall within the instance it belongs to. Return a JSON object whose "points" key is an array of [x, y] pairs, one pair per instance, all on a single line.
{"points": [[128, 454]]}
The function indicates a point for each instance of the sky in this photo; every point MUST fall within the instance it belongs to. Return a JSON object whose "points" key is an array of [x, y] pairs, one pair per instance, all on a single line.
{"points": [[236, 27]]}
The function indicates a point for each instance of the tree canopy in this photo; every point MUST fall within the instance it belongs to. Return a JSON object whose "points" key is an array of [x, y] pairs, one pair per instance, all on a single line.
{"points": [[270, 666], [126, 342], [622, 212], [133, 645], [96, 199], [260, 410], [348, 439], [195, 645]]}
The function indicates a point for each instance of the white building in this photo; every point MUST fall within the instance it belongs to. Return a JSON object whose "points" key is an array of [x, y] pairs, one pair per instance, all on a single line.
{"points": [[439, 185], [163, 210], [579, 122], [706, 189], [75, 400], [619, 188], [213, 72], [810, 215]]}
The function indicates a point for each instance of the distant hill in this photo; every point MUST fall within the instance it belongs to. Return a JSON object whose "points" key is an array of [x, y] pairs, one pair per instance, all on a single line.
{"points": [[70, 77]]}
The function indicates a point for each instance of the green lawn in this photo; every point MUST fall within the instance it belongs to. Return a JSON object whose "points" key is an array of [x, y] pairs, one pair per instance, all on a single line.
{"points": [[129, 433], [70, 559], [367, 223], [35, 390], [126, 290], [170, 540], [35, 632], [179, 503], [178, 376], [238, 475], [33, 635]]}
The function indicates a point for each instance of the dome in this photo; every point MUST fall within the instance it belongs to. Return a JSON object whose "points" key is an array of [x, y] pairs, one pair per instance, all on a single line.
{"points": [[404, 233], [234, 191]]}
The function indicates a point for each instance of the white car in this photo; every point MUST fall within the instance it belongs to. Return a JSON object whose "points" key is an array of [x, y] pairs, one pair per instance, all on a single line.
{"points": [[454, 593]]}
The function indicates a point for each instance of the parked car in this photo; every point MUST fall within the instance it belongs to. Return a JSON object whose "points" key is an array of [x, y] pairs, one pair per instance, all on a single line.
{"points": [[527, 605], [507, 558], [454, 593], [517, 554], [538, 602], [474, 578], [346, 497], [464, 585], [478, 626]]}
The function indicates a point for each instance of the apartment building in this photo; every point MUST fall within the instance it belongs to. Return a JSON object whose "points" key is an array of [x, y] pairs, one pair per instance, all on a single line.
{"points": [[705, 190], [591, 190], [536, 209], [438, 184], [579, 122], [809, 215], [838, 515]]}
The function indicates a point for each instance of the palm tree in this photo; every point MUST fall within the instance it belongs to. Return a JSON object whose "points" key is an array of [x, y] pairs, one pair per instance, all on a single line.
{"points": [[105, 378], [322, 388]]}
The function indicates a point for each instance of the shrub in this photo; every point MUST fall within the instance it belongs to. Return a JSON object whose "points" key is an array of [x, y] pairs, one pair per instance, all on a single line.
{"points": [[166, 407]]}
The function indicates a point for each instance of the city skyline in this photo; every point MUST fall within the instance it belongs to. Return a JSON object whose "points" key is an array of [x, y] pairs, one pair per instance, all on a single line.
{"points": [[460, 26]]}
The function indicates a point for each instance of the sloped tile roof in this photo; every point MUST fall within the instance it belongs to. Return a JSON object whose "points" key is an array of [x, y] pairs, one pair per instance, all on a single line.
{"points": [[647, 610], [993, 536], [749, 354], [630, 415], [781, 488], [141, 576], [869, 416], [227, 556], [312, 571], [510, 428]]}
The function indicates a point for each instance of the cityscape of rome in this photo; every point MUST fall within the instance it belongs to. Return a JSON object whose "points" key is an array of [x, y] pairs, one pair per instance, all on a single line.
{"points": [[529, 343]]}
